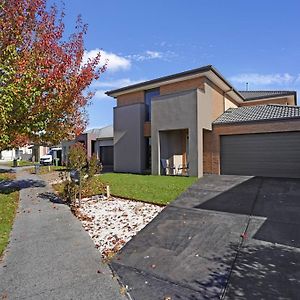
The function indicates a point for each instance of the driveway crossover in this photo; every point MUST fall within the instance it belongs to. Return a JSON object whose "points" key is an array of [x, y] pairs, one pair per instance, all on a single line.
{"points": [[226, 237]]}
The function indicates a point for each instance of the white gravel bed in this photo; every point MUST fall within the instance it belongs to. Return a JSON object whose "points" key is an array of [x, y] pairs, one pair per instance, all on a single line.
{"points": [[112, 223]]}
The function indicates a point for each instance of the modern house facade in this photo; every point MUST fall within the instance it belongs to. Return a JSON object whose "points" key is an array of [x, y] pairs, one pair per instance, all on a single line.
{"points": [[97, 141], [197, 121]]}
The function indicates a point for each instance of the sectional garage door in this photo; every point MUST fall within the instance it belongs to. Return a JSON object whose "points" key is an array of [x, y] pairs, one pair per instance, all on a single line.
{"points": [[265, 154]]}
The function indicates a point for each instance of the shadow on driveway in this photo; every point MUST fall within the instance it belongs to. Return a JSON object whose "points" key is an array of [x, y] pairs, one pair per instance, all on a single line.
{"points": [[10, 185], [51, 197], [226, 237], [8, 170]]}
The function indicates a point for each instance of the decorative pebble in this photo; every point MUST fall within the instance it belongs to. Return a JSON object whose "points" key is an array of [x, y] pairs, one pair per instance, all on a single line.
{"points": [[112, 223]]}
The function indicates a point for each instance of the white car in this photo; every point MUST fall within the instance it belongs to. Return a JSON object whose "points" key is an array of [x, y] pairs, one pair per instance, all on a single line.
{"points": [[46, 159]]}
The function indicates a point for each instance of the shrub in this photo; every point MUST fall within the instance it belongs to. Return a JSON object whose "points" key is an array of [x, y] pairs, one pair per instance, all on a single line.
{"points": [[93, 166], [77, 158]]}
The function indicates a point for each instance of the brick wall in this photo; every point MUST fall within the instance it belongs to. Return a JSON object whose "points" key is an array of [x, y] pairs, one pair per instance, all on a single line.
{"points": [[147, 129], [130, 98], [207, 152], [182, 86]]}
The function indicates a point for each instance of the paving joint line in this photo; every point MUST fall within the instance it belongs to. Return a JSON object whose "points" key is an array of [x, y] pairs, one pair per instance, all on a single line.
{"points": [[223, 294], [146, 273]]}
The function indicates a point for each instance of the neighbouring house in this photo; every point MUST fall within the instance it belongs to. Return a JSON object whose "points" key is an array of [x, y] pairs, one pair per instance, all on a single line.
{"points": [[27, 152], [66, 145], [97, 140], [38, 151], [24, 153], [196, 122]]}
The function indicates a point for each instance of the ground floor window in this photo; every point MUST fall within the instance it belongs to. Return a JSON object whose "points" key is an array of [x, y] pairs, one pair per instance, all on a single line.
{"points": [[148, 153]]}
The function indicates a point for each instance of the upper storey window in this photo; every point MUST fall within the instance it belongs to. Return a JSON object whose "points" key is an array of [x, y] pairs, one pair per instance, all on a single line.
{"points": [[149, 94]]}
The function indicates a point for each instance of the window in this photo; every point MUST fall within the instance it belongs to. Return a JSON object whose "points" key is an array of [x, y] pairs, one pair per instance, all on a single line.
{"points": [[148, 153], [149, 94]]}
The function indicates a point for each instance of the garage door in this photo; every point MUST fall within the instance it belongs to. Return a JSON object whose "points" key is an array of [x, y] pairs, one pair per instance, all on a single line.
{"points": [[107, 155], [266, 154]]}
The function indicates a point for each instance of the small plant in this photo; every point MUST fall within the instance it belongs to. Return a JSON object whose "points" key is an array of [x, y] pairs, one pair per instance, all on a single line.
{"points": [[77, 158], [93, 166], [85, 170], [69, 192]]}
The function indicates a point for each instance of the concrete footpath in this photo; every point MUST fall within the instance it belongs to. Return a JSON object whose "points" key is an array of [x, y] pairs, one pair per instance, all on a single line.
{"points": [[50, 256]]}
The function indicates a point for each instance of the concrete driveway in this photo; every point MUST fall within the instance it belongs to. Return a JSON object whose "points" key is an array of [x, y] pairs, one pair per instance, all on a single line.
{"points": [[226, 237]]}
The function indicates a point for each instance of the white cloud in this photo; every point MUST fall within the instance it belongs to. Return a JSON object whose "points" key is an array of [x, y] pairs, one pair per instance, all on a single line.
{"points": [[153, 54], [100, 95], [298, 79], [149, 54], [108, 85], [115, 83], [263, 79], [114, 61]]}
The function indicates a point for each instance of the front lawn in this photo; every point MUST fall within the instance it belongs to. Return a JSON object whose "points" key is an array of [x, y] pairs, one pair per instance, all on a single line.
{"points": [[24, 163], [9, 199], [148, 188], [47, 169], [21, 163]]}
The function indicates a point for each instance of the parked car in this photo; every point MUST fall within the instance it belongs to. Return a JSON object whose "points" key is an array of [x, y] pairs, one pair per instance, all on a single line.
{"points": [[54, 155], [46, 159]]}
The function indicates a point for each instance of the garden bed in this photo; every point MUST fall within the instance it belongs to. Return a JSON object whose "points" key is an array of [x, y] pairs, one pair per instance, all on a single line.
{"points": [[112, 223], [153, 189]]}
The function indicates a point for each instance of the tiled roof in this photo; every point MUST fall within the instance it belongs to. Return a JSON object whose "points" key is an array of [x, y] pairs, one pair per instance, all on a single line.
{"points": [[258, 113], [256, 95], [104, 132]]}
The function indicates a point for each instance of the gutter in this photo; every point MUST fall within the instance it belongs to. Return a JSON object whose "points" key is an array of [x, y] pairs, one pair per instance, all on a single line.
{"points": [[113, 93]]}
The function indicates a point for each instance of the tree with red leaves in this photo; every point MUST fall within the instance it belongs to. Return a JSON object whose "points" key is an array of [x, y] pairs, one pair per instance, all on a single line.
{"points": [[43, 81]]}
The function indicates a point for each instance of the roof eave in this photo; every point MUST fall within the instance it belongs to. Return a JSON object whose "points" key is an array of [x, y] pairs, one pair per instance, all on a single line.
{"points": [[145, 84], [204, 71], [288, 94]]}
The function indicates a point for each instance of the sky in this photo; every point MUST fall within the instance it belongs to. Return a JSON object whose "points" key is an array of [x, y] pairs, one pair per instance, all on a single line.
{"points": [[254, 41]]}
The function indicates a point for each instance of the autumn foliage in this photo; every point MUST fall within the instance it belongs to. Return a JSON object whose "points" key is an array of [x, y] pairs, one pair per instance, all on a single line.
{"points": [[43, 82]]}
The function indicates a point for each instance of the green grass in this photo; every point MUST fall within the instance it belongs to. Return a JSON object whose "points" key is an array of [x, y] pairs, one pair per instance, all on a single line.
{"points": [[45, 169], [24, 163], [9, 199], [21, 163], [147, 188]]}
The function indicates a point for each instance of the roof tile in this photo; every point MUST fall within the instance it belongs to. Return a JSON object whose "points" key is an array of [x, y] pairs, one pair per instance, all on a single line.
{"points": [[258, 113]]}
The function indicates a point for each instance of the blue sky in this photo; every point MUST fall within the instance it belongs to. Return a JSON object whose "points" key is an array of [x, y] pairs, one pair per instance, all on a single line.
{"points": [[247, 41]]}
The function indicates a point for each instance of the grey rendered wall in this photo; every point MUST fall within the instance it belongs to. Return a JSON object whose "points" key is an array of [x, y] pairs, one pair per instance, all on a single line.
{"points": [[171, 112], [204, 120], [129, 141]]}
